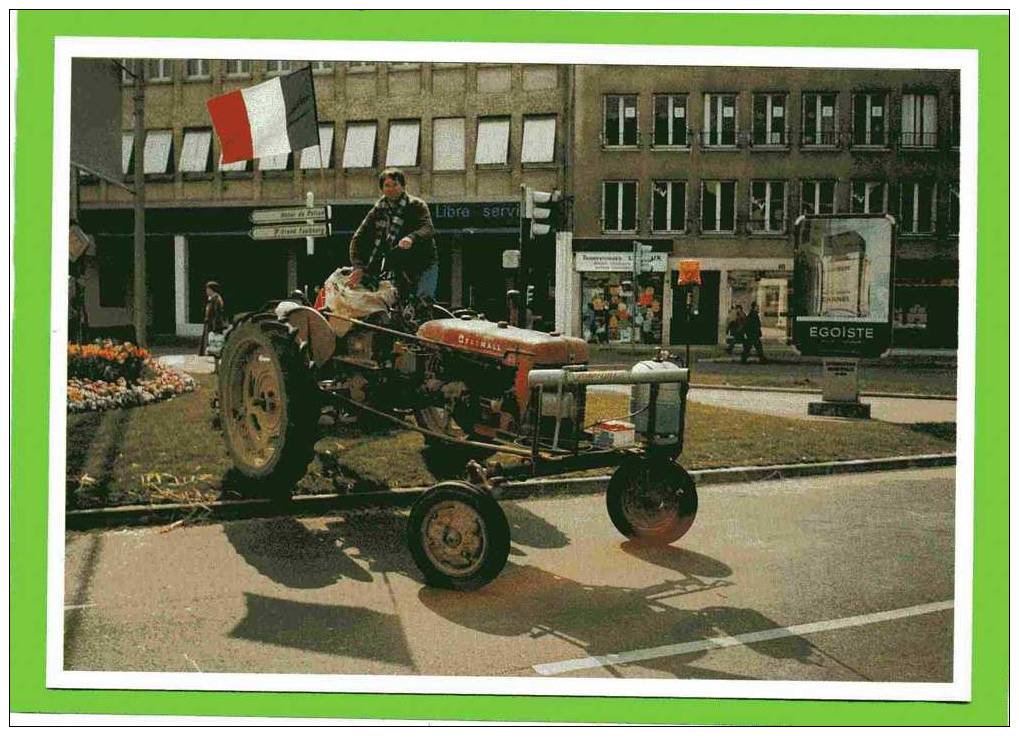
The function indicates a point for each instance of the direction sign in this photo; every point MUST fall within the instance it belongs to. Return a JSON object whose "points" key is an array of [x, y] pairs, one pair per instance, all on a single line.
{"points": [[291, 215], [275, 232]]}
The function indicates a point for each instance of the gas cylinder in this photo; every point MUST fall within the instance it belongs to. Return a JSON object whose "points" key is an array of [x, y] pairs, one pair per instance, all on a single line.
{"points": [[667, 405]]}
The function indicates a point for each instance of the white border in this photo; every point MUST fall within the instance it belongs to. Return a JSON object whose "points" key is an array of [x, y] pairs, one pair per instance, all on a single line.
{"points": [[964, 60]]}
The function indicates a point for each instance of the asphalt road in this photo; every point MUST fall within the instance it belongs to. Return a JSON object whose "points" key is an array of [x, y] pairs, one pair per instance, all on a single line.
{"points": [[340, 594]]}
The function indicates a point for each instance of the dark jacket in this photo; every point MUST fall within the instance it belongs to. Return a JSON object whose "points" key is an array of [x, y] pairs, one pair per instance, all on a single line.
{"points": [[417, 223], [752, 326]]}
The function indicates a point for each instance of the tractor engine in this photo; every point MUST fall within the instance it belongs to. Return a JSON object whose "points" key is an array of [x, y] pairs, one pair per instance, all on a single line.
{"points": [[491, 360]]}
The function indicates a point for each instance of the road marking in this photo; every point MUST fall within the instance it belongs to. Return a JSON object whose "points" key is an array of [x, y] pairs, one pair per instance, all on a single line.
{"points": [[683, 648]]}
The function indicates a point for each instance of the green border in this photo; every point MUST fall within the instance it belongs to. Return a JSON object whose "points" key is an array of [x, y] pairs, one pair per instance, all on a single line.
{"points": [[30, 403]]}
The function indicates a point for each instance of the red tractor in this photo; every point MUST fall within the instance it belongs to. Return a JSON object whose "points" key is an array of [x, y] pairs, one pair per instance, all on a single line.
{"points": [[472, 388]]}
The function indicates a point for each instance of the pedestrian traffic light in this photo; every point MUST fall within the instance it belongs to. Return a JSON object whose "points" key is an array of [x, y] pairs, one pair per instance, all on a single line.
{"points": [[542, 210]]}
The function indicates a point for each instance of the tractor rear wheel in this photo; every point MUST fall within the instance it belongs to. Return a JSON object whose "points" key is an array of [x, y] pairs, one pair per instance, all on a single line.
{"points": [[269, 406]]}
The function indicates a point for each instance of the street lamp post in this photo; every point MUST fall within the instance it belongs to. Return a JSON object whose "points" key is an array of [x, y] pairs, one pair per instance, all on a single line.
{"points": [[139, 316]]}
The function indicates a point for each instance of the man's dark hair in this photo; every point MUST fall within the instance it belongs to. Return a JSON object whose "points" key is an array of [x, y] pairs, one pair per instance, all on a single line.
{"points": [[395, 174], [213, 286]]}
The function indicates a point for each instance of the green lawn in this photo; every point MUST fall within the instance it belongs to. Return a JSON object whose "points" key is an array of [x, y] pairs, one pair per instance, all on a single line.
{"points": [[169, 451]]}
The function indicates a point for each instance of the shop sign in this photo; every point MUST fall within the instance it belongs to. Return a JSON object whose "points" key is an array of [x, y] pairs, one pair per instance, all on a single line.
{"points": [[619, 261], [842, 285], [689, 272]]}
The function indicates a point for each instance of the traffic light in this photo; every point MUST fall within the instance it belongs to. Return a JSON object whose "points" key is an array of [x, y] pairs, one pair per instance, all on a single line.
{"points": [[543, 211], [529, 297]]}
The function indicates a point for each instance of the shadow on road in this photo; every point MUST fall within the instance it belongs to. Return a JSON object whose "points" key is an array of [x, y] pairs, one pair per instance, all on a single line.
{"points": [[681, 560], [319, 628], [526, 601], [288, 552]]}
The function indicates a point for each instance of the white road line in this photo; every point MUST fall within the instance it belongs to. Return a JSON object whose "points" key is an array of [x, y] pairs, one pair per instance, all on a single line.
{"points": [[683, 648]]}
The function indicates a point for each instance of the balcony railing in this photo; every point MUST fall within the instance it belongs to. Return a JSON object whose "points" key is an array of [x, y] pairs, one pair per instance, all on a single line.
{"points": [[773, 139], [918, 139], [821, 138], [726, 139]]}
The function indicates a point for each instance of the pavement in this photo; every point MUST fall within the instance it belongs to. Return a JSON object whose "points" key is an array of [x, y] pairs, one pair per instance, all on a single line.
{"points": [[844, 578], [187, 362]]}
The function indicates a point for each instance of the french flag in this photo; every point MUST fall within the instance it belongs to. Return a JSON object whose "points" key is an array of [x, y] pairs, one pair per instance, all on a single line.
{"points": [[277, 116]]}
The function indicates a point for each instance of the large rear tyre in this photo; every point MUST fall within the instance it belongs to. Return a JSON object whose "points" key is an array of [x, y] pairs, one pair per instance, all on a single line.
{"points": [[269, 406], [652, 500], [458, 536]]}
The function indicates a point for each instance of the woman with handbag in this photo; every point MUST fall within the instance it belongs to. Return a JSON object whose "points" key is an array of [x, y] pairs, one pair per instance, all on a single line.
{"points": [[215, 321]]}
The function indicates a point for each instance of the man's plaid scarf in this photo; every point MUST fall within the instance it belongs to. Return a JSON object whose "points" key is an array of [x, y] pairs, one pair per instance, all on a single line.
{"points": [[388, 222]]}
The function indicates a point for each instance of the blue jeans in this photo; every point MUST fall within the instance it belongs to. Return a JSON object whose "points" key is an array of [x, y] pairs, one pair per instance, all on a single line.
{"points": [[428, 282]]}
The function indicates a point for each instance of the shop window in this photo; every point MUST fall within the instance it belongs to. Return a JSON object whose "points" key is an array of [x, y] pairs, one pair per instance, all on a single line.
{"points": [[197, 69], [321, 154], [278, 67], [767, 206], [817, 197], [493, 141], [820, 117], [868, 198], [718, 206], [276, 162], [671, 128], [870, 119], [196, 151], [668, 206], [448, 149], [615, 309], [619, 206], [539, 139], [404, 138], [116, 271], [620, 127], [769, 120], [953, 209], [238, 68], [359, 147], [719, 120], [127, 152], [917, 207], [159, 71], [158, 158], [919, 120]]}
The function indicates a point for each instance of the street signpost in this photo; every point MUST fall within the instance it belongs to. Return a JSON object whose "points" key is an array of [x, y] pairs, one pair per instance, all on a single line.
{"points": [[291, 215], [842, 301], [282, 232]]}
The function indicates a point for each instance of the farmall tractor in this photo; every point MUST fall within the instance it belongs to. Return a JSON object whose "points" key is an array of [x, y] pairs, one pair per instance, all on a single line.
{"points": [[473, 388]]}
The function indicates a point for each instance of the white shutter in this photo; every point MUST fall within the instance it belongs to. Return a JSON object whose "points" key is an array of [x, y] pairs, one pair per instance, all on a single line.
{"points": [[158, 144], [359, 149], [274, 162], [126, 144], [235, 166], [493, 141], [448, 145], [309, 156], [403, 143], [539, 140], [194, 153]]}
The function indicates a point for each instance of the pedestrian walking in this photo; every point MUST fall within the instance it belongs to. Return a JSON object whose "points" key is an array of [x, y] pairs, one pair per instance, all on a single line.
{"points": [[734, 328], [752, 335], [215, 320]]}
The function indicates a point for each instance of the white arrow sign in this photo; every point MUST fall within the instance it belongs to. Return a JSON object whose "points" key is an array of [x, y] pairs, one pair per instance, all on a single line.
{"points": [[275, 232], [291, 214]]}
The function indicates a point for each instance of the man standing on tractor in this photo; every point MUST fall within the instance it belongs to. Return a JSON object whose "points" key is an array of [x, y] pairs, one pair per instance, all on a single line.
{"points": [[397, 236]]}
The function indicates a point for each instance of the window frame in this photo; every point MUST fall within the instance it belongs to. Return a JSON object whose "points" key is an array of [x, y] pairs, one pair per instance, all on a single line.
{"points": [[533, 118], [819, 118], [816, 202], [462, 146], [207, 170], [670, 102], [170, 168], [718, 212], [417, 145], [914, 219], [717, 117], [492, 120], [280, 71], [312, 151], [866, 210], [769, 104], [244, 73], [953, 190], [322, 67], [669, 199], [622, 118], [923, 134], [358, 124], [768, 188], [869, 121], [205, 69], [165, 65], [619, 183]]}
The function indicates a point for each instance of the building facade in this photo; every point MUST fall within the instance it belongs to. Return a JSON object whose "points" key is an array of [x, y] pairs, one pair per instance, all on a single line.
{"points": [[714, 164], [466, 135], [711, 164]]}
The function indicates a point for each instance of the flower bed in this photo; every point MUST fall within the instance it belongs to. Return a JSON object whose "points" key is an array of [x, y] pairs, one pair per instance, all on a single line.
{"points": [[105, 376]]}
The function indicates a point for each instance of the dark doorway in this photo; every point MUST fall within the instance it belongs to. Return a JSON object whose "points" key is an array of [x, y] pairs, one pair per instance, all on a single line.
{"points": [[702, 329], [159, 273]]}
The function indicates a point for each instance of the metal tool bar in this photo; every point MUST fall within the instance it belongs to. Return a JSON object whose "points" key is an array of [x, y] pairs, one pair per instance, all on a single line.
{"points": [[556, 378]]}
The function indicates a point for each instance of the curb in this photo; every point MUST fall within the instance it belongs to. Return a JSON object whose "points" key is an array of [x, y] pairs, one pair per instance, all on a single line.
{"points": [[783, 390], [310, 505]]}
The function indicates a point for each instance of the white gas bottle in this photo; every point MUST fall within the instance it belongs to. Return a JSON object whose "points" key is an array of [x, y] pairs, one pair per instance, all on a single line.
{"points": [[667, 406]]}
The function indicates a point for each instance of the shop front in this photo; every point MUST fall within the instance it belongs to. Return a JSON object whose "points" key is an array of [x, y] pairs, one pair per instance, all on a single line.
{"points": [[621, 302]]}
